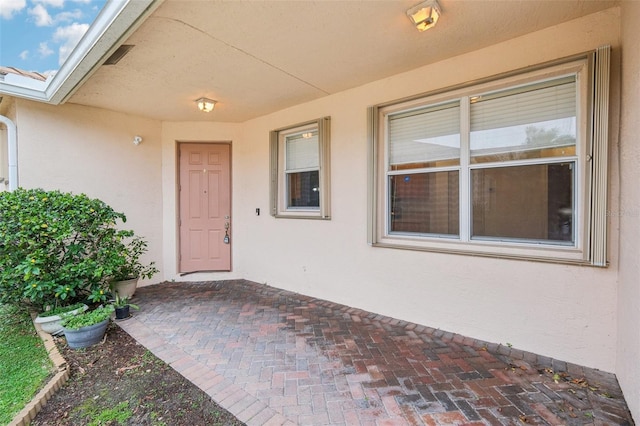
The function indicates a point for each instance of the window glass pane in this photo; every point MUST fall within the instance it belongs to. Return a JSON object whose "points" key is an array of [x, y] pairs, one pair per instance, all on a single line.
{"points": [[426, 137], [303, 189], [533, 202], [302, 151], [536, 121], [425, 203]]}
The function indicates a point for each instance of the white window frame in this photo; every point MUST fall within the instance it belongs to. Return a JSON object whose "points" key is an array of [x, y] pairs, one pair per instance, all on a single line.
{"points": [[589, 246], [278, 196]]}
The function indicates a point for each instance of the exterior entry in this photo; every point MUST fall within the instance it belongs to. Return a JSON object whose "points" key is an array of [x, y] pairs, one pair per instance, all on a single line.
{"points": [[205, 207]]}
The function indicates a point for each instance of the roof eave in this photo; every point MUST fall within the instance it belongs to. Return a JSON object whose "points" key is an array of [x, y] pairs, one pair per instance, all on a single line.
{"points": [[113, 25]]}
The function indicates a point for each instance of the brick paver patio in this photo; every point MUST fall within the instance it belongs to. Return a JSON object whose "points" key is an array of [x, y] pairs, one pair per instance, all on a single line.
{"points": [[272, 357]]}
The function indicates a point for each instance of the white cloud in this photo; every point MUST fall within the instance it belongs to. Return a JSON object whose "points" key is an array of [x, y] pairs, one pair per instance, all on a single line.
{"points": [[9, 7], [42, 17], [69, 37], [24, 55], [44, 50], [52, 3], [68, 16]]}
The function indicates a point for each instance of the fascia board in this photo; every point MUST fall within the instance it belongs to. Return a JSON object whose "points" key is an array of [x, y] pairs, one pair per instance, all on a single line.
{"points": [[24, 87], [117, 20]]}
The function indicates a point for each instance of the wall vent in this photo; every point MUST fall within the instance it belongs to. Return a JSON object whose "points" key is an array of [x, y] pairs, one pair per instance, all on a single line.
{"points": [[118, 54]]}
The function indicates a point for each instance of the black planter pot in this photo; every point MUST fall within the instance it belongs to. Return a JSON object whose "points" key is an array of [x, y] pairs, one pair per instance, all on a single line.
{"points": [[122, 312]]}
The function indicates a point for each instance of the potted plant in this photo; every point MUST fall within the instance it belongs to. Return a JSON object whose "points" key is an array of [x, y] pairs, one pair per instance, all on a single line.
{"points": [[124, 264], [87, 328], [123, 307], [51, 245], [51, 320]]}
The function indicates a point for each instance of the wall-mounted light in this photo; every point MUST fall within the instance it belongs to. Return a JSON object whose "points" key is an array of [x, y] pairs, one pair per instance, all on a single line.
{"points": [[205, 104], [425, 15], [137, 140]]}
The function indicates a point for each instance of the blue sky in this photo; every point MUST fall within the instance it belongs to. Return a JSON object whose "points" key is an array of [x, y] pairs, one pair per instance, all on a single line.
{"points": [[38, 35]]}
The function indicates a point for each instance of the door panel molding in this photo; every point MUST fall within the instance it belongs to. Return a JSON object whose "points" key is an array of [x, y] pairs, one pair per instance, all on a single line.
{"points": [[204, 206]]}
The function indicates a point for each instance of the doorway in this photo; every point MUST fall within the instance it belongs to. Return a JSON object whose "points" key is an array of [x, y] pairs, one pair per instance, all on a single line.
{"points": [[204, 207]]}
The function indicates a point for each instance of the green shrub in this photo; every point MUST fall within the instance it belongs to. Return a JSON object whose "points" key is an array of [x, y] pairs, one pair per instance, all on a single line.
{"points": [[74, 322], [59, 310], [120, 258], [60, 248]]}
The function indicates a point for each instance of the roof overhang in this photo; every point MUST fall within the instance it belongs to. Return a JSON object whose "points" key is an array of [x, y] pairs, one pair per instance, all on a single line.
{"points": [[116, 21]]}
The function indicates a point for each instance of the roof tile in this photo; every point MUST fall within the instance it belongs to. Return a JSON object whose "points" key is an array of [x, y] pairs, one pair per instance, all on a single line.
{"points": [[31, 74]]}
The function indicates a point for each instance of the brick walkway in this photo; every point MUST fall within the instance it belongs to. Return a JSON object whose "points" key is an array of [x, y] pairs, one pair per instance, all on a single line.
{"points": [[274, 357]]}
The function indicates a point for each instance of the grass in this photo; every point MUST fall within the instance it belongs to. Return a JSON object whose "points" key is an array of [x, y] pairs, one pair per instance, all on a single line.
{"points": [[96, 416], [24, 362]]}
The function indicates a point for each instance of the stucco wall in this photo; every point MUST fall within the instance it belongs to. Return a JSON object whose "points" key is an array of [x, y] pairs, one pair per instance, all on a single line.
{"points": [[91, 151], [567, 312], [209, 132], [628, 360]]}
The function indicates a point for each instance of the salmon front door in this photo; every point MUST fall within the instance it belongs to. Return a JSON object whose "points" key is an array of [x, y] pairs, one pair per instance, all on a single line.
{"points": [[205, 207]]}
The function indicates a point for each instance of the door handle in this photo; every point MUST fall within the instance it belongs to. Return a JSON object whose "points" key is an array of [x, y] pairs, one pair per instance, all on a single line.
{"points": [[226, 238]]}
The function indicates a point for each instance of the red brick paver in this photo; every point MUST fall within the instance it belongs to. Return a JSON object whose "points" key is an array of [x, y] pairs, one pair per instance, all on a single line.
{"points": [[273, 357]]}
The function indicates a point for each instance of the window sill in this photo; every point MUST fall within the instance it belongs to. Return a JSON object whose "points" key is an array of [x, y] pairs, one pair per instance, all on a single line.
{"points": [[300, 216], [514, 251]]}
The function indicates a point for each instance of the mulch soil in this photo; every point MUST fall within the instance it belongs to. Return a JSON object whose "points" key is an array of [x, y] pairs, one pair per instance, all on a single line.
{"points": [[119, 382]]}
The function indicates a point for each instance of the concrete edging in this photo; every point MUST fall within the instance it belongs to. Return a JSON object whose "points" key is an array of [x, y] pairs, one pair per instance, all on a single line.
{"points": [[29, 412]]}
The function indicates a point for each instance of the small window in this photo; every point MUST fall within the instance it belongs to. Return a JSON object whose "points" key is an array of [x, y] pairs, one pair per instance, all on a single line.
{"points": [[300, 170], [511, 167]]}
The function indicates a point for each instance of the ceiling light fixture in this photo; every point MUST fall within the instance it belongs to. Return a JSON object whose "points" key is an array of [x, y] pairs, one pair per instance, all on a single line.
{"points": [[425, 15], [205, 104]]}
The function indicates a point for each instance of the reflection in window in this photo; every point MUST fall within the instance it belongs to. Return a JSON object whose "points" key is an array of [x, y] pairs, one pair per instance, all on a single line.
{"points": [[536, 121], [519, 165], [520, 162], [300, 180], [426, 137], [425, 203], [303, 189], [302, 165], [533, 202]]}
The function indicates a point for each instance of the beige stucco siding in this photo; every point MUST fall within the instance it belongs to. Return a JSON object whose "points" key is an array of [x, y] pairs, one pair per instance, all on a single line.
{"points": [[562, 311], [204, 132], [88, 150], [567, 312], [628, 359]]}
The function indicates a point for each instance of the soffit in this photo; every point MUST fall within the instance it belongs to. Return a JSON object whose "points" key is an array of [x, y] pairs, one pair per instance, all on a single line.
{"points": [[259, 57]]}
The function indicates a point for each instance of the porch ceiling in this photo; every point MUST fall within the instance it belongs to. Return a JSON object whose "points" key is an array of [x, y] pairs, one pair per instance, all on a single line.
{"points": [[259, 57]]}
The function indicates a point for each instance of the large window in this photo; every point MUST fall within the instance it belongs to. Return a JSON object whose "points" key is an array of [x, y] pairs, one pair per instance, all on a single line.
{"points": [[300, 170], [505, 167]]}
